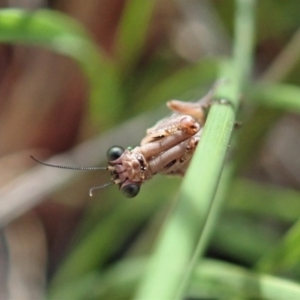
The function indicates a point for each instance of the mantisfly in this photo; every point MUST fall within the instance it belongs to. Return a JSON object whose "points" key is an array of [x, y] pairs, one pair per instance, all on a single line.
{"points": [[167, 148]]}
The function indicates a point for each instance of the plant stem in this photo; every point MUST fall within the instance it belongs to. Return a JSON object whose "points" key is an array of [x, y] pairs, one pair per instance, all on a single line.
{"points": [[185, 235]]}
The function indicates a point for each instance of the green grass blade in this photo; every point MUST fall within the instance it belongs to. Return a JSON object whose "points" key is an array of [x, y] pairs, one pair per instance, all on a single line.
{"points": [[208, 228], [212, 279], [95, 249], [100, 241], [272, 101], [241, 238], [218, 280], [264, 200], [178, 239], [64, 35], [179, 235], [183, 81], [280, 96], [284, 256], [244, 37], [132, 31]]}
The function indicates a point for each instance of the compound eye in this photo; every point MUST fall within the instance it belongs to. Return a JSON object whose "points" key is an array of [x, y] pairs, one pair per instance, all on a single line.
{"points": [[130, 190], [114, 153]]}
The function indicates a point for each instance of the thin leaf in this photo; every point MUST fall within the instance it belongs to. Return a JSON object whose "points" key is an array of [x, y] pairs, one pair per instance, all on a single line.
{"points": [[284, 256], [99, 244], [178, 238], [218, 280], [62, 34], [264, 200], [132, 31], [212, 279], [280, 96]]}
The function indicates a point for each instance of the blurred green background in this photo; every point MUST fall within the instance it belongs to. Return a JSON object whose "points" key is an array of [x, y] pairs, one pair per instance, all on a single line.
{"points": [[81, 76]]}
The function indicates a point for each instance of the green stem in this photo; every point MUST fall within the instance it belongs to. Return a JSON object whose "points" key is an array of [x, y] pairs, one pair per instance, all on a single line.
{"points": [[184, 234]]}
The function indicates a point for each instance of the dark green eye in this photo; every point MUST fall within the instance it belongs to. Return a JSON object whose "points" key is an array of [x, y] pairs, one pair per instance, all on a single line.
{"points": [[114, 153], [130, 190]]}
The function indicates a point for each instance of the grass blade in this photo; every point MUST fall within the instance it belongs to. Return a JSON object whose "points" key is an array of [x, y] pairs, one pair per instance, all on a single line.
{"points": [[178, 239], [63, 35], [212, 279], [137, 14]]}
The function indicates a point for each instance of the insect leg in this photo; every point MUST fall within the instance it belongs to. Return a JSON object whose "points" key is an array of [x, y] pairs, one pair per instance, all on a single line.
{"points": [[181, 127], [172, 160], [163, 139], [195, 109]]}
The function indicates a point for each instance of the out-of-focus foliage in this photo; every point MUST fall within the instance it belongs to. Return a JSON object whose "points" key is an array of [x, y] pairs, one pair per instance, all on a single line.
{"points": [[74, 71]]}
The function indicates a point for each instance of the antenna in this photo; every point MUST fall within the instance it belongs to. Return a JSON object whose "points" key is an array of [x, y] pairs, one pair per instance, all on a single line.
{"points": [[69, 168], [77, 169]]}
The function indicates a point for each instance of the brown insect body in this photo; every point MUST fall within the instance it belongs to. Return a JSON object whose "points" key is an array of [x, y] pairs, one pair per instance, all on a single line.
{"points": [[166, 149]]}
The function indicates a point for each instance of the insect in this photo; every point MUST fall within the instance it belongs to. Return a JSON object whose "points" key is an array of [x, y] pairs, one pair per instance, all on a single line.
{"points": [[167, 148]]}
